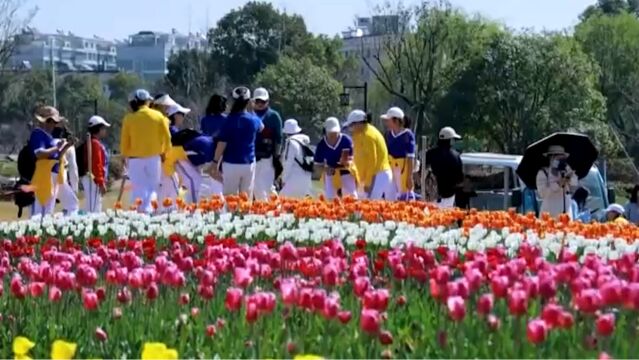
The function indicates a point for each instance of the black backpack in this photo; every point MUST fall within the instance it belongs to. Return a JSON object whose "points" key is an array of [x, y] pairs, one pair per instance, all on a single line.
{"points": [[308, 163], [184, 136], [26, 168], [81, 158]]}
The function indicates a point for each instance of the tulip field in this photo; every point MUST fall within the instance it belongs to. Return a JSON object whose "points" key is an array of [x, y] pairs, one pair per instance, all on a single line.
{"points": [[312, 278]]}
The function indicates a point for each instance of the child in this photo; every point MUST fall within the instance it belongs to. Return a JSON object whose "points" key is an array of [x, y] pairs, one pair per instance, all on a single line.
{"points": [[94, 184]]}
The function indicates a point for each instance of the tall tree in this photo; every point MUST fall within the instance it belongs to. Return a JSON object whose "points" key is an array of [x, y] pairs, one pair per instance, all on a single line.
{"points": [[12, 22], [525, 87], [611, 7], [77, 94], [432, 45], [122, 84], [303, 91]]}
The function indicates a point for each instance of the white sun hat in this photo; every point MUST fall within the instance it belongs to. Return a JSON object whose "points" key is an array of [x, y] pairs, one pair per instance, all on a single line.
{"points": [[356, 116], [331, 125], [177, 108], [291, 127], [165, 100]]}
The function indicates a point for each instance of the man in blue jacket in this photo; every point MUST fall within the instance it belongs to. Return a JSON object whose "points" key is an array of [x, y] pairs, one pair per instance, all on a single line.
{"points": [[267, 145]]}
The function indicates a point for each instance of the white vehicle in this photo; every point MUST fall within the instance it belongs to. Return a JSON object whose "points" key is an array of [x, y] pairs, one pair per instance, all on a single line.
{"points": [[494, 179]]}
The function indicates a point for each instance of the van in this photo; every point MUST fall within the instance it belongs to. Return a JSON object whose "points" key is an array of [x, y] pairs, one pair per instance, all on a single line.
{"points": [[495, 181]]}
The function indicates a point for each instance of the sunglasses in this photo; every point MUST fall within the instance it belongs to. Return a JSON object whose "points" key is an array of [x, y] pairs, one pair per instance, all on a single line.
{"points": [[260, 102]]}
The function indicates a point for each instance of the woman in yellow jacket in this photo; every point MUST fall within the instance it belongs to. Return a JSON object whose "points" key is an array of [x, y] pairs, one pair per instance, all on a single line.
{"points": [[370, 156]]}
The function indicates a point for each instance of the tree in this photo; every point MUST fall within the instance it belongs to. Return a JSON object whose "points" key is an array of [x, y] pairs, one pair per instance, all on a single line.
{"points": [[525, 87], [77, 94], [122, 84], [250, 38], [11, 24], [302, 90], [611, 7], [432, 45], [612, 42]]}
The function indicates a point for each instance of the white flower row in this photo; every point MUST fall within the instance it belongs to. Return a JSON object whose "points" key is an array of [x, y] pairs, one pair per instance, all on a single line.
{"points": [[286, 227]]}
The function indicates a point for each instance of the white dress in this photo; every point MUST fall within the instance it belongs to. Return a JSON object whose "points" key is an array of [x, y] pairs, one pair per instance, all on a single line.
{"points": [[555, 200]]}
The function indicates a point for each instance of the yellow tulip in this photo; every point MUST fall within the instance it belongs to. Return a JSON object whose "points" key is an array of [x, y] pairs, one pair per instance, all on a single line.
{"points": [[308, 357], [21, 346], [22, 357], [62, 350], [157, 350]]}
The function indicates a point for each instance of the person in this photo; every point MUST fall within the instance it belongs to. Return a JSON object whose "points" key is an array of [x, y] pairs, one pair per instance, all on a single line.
{"points": [[68, 190], [578, 206], [446, 164], [170, 180], [614, 214], [267, 145], [236, 146], [162, 102], [144, 140], [49, 158], [215, 117], [370, 156], [200, 151], [632, 207], [555, 182], [296, 180], [94, 184], [400, 142], [334, 158]]}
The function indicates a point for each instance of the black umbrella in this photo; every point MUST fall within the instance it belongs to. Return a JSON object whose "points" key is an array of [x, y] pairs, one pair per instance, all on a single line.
{"points": [[583, 154]]}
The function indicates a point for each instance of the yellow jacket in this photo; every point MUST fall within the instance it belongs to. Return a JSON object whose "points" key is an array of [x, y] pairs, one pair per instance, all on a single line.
{"points": [[42, 182], [175, 154], [370, 154], [145, 133]]}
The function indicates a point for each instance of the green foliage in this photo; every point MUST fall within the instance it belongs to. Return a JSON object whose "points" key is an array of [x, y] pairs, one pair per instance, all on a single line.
{"points": [[122, 84], [303, 91], [522, 88], [611, 7]]}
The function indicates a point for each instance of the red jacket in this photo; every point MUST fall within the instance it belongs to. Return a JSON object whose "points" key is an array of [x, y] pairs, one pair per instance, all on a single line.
{"points": [[97, 162]]}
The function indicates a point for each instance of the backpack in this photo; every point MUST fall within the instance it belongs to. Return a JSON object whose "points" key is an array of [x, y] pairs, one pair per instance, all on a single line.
{"points": [[184, 136], [81, 159], [26, 169], [308, 155]]}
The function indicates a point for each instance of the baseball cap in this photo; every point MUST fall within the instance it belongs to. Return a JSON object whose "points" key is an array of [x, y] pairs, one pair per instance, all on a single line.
{"points": [[260, 94], [140, 95], [241, 92], [165, 100], [392, 113], [45, 113], [356, 116], [177, 108], [448, 133], [331, 125], [96, 120]]}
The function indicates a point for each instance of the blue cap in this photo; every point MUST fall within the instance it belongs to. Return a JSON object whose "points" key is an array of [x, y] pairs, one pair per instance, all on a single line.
{"points": [[140, 95]]}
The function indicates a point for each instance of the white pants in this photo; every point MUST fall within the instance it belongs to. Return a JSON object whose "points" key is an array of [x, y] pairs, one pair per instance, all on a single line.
{"points": [[238, 178], [446, 203], [191, 179], [298, 184], [68, 199], [349, 187], [264, 179], [382, 181], [92, 196], [169, 187], [145, 175], [46, 209], [394, 188], [210, 187]]}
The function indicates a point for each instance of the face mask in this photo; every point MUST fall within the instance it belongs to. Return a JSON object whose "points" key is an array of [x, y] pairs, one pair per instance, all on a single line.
{"points": [[554, 163]]}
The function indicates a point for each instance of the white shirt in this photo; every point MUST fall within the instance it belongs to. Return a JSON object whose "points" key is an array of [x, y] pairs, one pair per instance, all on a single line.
{"points": [[293, 150], [72, 167], [555, 200]]}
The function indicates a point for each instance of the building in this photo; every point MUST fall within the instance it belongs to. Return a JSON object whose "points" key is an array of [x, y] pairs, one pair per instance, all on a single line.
{"points": [[147, 53], [367, 39], [68, 51]]}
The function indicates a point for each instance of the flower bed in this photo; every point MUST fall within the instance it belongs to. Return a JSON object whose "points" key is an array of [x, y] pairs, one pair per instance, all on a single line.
{"points": [[342, 279]]}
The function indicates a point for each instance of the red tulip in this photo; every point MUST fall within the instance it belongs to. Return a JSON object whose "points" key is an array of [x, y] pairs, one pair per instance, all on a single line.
{"points": [[474, 278], [152, 291], [17, 288], [376, 299], [566, 320], [369, 321], [344, 316], [441, 274], [551, 314], [205, 291], [100, 334], [401, 300], [361, 285], [547, 287], [233, 301], [184, 299], [210, 330], [518, 302], [611, 292], [330, 275], [318, 298], [251, 313], [493, 322], [86, 275], [291, 348], [536, 331], [456, 308], [331, 307], [385, 337], [242, 277], [485, 304], [605, 324], [360, 244], [499, 286], [54, 294], [36, 289], [90, 300], [101, 293], [124, 295], [588, 300]]}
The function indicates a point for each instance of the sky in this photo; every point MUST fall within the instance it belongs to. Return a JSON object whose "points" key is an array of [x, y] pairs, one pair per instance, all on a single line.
{"points": [[116, 19]]}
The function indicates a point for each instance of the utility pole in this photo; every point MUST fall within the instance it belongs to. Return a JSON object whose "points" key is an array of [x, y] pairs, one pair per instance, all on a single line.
{"points": [[53, 84]]}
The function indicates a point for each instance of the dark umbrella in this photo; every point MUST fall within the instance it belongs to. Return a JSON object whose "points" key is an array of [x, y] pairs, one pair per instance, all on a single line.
{"points": [[583, 154]]}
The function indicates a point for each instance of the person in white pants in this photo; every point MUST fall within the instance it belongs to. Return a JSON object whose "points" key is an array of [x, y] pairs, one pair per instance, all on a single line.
{"points": [[267, 145], [68, 190], [94, 182], [236, 147], [370, 156], [50, 160], [144, 141], [296, 180], [334, 158]]}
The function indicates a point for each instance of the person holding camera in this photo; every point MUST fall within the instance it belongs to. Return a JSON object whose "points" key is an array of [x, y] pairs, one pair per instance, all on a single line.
{"points": [[555, 183]]}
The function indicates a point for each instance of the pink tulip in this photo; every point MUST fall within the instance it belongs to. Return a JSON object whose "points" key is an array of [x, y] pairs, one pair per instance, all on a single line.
{"points": [[36, 289], [318, 299], [330, 275], [547, 287], [251, 313], [242, 277], [551, 314], [233, 301], [210, 330], [344, 316], [493, 322], [90, 300], [474, 278], [152, 291], [441, 274], [605, 324], [205, 291], [124, 295], [331, 307], [184, 299], [565, 320], [611, 292], [361, 285], [100, 334], [288, 288], [518, 302], [588, 300], [456, 308], [86, 275], [499, 286], [54, 294], [370, 321], [485, 304], [536, 331]]}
